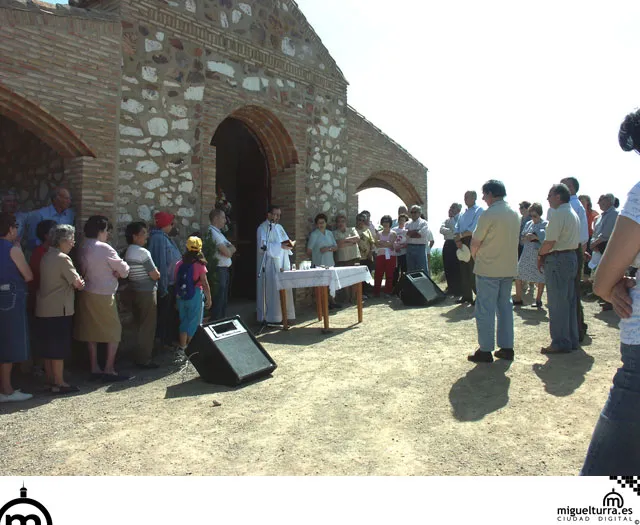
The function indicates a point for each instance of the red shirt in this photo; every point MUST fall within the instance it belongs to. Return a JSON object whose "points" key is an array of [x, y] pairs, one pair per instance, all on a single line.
{"points": [[591, 219], [34, 263]]}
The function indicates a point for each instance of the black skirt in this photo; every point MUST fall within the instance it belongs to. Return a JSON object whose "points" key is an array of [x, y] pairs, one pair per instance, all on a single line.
{"points": [[53, 336]]}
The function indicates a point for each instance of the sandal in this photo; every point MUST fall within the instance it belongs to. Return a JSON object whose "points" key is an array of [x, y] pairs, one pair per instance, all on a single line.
{"points": [[61, 390]]}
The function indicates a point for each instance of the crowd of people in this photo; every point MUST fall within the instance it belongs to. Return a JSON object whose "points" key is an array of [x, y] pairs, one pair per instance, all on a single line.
{"points": [[62, 293]]}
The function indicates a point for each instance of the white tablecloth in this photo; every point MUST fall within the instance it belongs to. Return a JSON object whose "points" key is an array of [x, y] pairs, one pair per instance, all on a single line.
{"points": [[334, 278]]}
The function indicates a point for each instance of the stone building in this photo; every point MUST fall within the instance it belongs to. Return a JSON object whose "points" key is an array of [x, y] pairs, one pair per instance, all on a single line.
{"points": [[143, 105]]}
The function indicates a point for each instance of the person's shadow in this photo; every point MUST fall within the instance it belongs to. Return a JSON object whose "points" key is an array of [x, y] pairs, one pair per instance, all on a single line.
{"points": [[483, 390], [563, 374]]}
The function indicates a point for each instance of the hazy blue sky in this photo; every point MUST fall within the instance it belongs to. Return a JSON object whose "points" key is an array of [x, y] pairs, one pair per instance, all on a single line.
{"points": [[524, 92]]}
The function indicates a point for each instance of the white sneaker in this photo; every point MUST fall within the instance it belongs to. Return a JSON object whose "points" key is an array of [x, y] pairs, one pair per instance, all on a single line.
{"points": [[16, 396]]}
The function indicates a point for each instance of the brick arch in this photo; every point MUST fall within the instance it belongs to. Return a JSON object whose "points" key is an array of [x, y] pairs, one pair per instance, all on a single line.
{"points": [[272, 136], [42, 124], [395, 183]]}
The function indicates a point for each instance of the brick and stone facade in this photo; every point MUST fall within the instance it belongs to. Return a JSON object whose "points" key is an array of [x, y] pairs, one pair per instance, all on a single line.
{"points": [[122, 100], [60, 83]]}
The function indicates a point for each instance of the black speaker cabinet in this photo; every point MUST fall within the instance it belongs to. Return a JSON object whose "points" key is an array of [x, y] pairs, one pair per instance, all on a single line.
{"points": [[417, 289], [225, 352]]}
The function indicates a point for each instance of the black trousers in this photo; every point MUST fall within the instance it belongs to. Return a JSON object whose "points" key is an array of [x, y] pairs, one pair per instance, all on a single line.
{"points": [[451, 267], [401, 267], [467, 277]]}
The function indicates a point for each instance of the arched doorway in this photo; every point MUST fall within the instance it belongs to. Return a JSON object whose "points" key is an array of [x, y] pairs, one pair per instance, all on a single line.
{"points": [[395, 183], [253, 149], [34, 147], [242, 172]]}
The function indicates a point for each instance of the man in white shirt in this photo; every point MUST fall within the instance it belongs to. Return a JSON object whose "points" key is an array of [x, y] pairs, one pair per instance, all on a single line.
{"points": [[226, 250], [465, 227], [574, 186], [273, 251], [417, 239]]}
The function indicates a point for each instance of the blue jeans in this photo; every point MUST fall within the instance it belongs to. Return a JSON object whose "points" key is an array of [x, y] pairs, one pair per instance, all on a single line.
{"points": [[416, 258], [494, 300], [614, 448], [221, 297], [191, 312], [560, 271]]}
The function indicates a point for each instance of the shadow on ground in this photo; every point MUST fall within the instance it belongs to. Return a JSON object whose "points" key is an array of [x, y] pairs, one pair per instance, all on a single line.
{"points": [[459, 313], [532, 316], [484, 389], [609, 317], [197, 387], [563, 374]]}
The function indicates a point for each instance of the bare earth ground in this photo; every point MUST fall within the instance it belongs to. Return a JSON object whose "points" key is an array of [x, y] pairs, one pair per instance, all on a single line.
{"points": [[393, 396]]}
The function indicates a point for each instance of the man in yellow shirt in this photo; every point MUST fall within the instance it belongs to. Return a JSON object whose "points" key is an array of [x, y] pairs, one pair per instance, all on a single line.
{"points": [[494, 246], [558, 255]]}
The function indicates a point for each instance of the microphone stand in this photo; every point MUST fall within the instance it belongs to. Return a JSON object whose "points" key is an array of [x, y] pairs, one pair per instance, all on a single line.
{"points": [[262, 273]]}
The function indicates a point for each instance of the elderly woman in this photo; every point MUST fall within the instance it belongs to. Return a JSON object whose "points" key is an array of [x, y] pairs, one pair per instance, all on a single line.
{"points": [[321, 243], [97, 319], [43, 230], [143, 281], [55, 306], [14, 276], [321, 247], [367, 242], [532, 237], [348, 253]]}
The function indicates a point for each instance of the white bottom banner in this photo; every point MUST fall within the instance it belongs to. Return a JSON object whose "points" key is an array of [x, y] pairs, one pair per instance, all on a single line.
{"points": [[286, 500]]}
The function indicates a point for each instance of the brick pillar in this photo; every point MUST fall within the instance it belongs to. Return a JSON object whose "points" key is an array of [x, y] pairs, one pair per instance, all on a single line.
{"points": [[92, 183]]}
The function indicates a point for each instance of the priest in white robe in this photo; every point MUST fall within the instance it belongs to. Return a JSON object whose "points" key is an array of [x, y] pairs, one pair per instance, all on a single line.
{"points": [[272, 236]]}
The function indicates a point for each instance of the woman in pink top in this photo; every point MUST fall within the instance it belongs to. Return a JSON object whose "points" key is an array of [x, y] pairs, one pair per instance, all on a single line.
{"points": [[192, 289], [385, 257], [96, 317]]}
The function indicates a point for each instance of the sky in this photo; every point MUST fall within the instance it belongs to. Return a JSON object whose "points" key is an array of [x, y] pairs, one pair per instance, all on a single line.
{"points": [[524, 92]]}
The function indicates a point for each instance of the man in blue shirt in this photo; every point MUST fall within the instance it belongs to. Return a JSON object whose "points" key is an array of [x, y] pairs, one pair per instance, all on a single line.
{"points": [[59, 210], [464, 230], [574, 186], [165, 255]]}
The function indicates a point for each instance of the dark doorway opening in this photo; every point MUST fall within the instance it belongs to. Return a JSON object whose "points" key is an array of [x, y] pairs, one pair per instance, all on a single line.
{"points": [[242, 173]]}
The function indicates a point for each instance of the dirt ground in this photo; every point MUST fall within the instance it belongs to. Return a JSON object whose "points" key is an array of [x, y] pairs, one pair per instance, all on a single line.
{"points": [[392, 396]]}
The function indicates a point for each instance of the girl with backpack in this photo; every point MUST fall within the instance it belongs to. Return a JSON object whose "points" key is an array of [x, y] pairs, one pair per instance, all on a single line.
{"points": [[192, 289]]}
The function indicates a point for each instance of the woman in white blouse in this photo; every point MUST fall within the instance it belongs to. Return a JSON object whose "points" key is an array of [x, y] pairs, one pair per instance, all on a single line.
{"points": [[615, 444]]}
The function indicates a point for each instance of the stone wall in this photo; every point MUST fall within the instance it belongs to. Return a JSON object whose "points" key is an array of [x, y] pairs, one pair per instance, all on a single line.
{"points": [[29, 166], [59, 78], [184, 74], [375, 160]]}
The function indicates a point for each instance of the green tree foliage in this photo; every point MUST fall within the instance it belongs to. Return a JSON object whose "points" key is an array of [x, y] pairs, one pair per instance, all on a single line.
{"points": [[437, 264]]}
